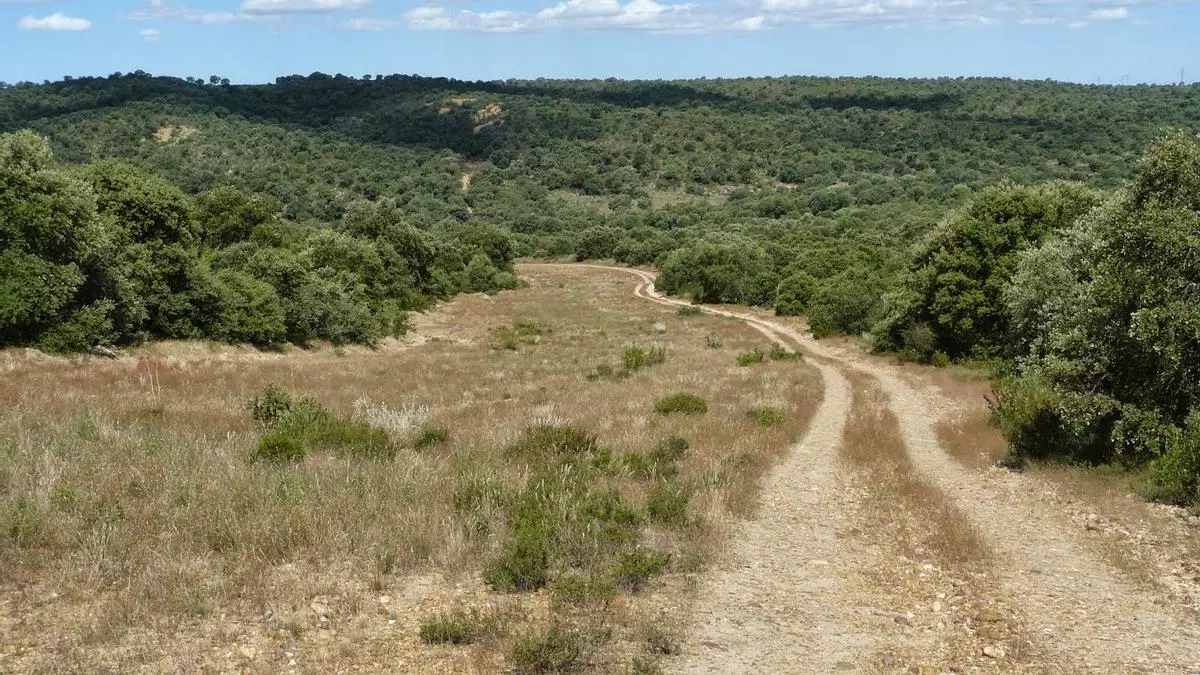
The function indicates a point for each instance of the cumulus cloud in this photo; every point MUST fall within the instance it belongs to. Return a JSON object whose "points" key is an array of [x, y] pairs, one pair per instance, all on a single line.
{"points": [[160, 10], [56, 21], [1113, 14], [658, 16], [642, 15], [301, 6]]}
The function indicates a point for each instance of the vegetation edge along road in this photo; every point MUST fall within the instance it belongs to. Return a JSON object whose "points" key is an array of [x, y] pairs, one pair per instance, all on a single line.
{"points": [[1090, 614]]}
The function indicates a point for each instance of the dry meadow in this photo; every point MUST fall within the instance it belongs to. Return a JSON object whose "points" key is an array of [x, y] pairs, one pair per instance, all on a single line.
{"points": [[138, 532]]}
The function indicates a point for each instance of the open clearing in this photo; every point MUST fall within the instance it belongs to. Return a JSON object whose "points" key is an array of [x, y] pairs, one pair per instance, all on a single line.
{"points": [[838, 517]]}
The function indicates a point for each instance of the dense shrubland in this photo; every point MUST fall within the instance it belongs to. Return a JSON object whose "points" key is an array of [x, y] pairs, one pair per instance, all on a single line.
{"points": [[1091, 301], [104, 254], [805, 194]]}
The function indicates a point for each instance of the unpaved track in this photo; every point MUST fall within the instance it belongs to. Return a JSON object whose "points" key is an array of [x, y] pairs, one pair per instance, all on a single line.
{"points": [[776, 610]]}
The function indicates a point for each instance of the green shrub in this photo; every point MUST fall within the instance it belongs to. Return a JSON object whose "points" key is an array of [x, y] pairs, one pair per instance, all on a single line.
{"points": [[551, 441], [781, 353], [939, 360], [24, 524], [636, 358], [512, 337], [302, 421], [766, 417], [557, 650], [431, 436], [578, 589], [669, 450], [638, 465], [713, 342], [636, 567], [750, 358], [690, 310], [279, 446], [683, 403], [523, 564], [456, 628], [1175, 476], [271, 406], [475, 493], [667, 503]]}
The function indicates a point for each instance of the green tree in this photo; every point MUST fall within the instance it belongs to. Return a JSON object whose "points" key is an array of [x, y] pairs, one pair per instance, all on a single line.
{"points": [[49, 231]]}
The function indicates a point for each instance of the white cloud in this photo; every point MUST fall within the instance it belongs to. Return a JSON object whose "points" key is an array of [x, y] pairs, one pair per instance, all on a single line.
{"points": [[577, 8], [300, 6], [1113, 14], [56, 21], [151, 34], [160, 10], [751, 23]]}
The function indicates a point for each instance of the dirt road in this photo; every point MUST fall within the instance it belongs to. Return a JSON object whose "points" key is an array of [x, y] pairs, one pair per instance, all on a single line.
{"points": [[787, 600]]}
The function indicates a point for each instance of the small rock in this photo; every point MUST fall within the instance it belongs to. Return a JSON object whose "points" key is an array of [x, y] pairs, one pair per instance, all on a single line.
{"points": [[901, 619], [889, 661], [994, 651], [937, 605], [660, 327], [385, 599]]}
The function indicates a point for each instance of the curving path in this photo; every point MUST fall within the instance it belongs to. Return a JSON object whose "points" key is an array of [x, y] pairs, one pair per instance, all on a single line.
{"points": [[781, 603]]}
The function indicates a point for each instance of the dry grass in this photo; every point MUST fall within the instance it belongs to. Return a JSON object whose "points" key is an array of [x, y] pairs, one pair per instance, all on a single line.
{"points": [[941, 568], [137, 534], [873, 445]]}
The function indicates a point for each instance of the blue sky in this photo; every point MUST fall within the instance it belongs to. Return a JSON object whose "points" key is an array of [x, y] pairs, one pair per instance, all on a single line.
{"points": [[1111, 41]]}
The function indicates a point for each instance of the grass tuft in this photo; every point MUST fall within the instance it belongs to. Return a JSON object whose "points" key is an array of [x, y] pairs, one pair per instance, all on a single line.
{"points": [[682, 403], [558, 649], [765, 416], [430, 437]]}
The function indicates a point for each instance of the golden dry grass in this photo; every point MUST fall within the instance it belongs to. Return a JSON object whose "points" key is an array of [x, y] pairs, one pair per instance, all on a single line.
{"points": [[953, 559], [137, 535], [873, 444]]}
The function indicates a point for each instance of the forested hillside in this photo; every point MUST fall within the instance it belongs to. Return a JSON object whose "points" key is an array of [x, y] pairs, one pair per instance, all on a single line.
{"points": [[822, 184]]}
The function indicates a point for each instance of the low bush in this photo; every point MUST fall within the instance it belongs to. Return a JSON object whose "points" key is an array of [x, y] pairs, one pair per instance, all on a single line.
{"points": [[667, 504], [713, 342], [765, 417], [636, 358], [669, 450], [512, 337], [781, 353], [279, 446], [455, 628], [558, 649], [690, 310], [751, 358], [578, 589], [543, 442], [430, 437], [637, 566], [1174, 477], [681, 403], [296, 425]]}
